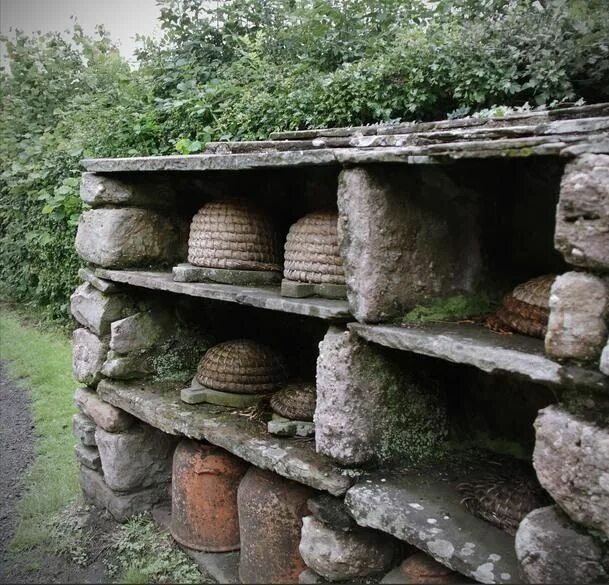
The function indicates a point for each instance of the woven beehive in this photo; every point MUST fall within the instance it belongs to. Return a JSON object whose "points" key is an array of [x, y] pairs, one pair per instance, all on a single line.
{"points": [[235, 235], [527, 308], [311, 250], [502, 491], [242, 366], [296, 401]]}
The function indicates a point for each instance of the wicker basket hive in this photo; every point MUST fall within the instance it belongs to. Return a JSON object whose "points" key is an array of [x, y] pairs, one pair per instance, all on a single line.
{"points": [[296, 401], [233, 234], [311, 250], [242, 366], [527, 308]]}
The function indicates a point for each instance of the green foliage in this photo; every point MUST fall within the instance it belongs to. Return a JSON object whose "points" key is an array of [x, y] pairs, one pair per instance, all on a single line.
{"points": [[245, 68], [450, 309]]}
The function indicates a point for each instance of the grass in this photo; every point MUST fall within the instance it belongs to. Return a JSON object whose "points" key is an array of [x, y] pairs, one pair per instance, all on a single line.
{"points": [[41, 362]]}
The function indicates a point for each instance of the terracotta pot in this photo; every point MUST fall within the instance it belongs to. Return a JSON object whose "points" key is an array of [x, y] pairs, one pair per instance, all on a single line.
{"points": [[204, 513], [270, 515]]}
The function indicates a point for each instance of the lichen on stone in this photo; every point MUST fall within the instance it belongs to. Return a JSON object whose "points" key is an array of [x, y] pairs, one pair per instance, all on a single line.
{"points": [[450, 309]]}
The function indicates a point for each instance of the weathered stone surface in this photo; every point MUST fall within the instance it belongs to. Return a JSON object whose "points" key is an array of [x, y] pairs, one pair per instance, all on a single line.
{"points": [[138, 457], [88, 456], [197, 395], [579, 305], [582, 219], [141, 331], [162, 408], [98, 190], [96, 311], [129, 236], [265, 298], [121, 506], [290, 428], [127, 367], [421, 568], [309, 577], [368, 408], [552, 549], [88, 355], [83, 428], [338, 555], [189, 273], [299, 290], [106, 416], [331, 511], [104, 286], [571, 459], [604, 365], [400, 243]]}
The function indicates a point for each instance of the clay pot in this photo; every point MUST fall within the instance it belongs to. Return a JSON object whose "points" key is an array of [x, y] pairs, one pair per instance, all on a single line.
{"points": [[204, 512], [270, 515]]}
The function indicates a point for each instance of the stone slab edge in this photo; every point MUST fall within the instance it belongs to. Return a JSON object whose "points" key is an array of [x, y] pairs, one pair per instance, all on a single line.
{"points": [[164, 410], [190, 273]]}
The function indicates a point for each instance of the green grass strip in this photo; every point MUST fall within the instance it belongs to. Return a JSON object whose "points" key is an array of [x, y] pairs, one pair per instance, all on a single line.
{"points": [[40, 361]]}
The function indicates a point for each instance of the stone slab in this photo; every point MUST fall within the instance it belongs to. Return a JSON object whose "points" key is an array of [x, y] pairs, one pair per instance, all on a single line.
{"points": [[104, 286], [106, 416], [88, 456], [285, 427], [294, 289], [83, 429], [262, 297], [488, 351], [423, 508], [162, 408], [88, 356], [199, 395], [189, 273]]}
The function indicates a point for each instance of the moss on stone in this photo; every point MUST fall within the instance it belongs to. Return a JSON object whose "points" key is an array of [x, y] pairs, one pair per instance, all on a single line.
{"points": [[450, 309]]}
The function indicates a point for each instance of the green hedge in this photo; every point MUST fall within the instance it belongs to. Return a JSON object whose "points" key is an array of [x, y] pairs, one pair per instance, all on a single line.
{"points": [[251, 67]]}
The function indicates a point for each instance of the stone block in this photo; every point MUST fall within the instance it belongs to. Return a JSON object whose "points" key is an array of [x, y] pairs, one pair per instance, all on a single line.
{"points": [[199, 394], [128, 367], [571, 458], [88, 356], [369, 408], [121, 506], [106, 416], [309, 577], [582, 218], [105, 286], [406, 235], [88, 456], [83, 428], [96, 311], [421, 568], [552, 549], [186, 272], [604, 365], [136, 458], [338, 555], [331, 511], [141, 331], [577, 327], [98, 190], [129, 237], [285, 427]]}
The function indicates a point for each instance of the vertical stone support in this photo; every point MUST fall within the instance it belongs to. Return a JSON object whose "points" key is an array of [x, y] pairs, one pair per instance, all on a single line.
{"points": [[369, 408], [406, 235]]}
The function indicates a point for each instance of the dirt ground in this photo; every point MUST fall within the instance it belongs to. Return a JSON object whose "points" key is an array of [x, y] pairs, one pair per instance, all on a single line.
{"points": [[17, 439]]}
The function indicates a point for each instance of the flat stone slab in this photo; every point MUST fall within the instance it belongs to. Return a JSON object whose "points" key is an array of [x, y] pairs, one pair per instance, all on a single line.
{"points": [[263, 297], [189, 273], [201, 394], [100, 284], [292, 288], [423, 508], [290, 428], [490, 352], [162, 408]]}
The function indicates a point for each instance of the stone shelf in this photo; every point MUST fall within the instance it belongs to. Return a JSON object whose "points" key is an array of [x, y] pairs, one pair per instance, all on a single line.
{"points": [[490, 352], [162, 408], [265, 297], [423, 508]]}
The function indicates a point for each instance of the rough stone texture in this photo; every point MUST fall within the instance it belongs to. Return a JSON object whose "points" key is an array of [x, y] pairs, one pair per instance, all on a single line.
{"points": [[290, 428], [104, 286], [98, 190], [338, 555], [141, 331], [582, 218], [197, 395], [401, 245], [577, 327], [120, 238], [571, 459], [309, 577], [294, 289], [88, 456], [136, 458], [189, 273], [129, 367], [370, 409], [88, 355], [604, 365], [332, 511], [96, 311], [106, 416], [421, 568], [552, 549], [121, 506], [83, 428]]}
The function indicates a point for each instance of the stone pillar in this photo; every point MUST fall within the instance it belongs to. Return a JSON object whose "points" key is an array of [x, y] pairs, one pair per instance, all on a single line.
{"points": [[406, 235], [370, 409]]}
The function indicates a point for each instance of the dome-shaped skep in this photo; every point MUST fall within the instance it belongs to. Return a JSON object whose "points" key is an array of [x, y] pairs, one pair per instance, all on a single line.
{"points": [[296, 401]]}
